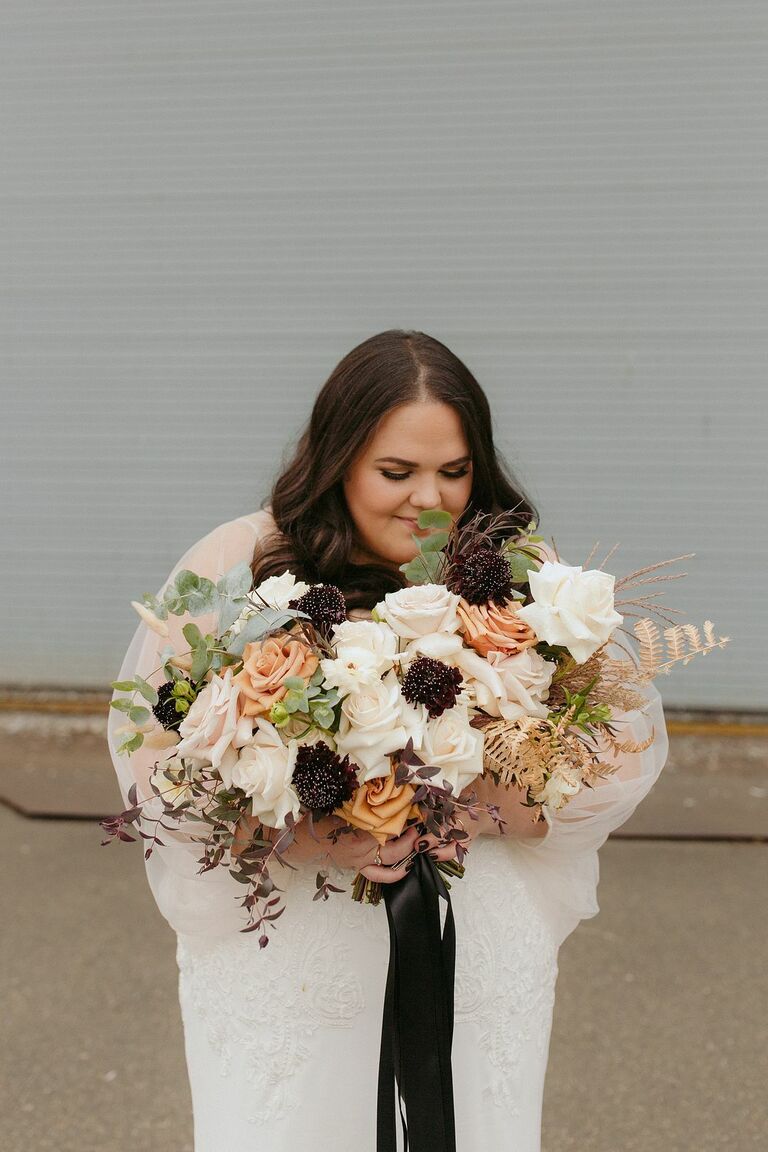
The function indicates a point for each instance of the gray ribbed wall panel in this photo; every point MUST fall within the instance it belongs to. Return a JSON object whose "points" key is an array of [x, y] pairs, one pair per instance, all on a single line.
{"points": [[205, 205]]}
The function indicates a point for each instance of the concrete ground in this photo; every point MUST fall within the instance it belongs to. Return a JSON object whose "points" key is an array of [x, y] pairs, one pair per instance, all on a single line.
{"points": [[660, 1041]]}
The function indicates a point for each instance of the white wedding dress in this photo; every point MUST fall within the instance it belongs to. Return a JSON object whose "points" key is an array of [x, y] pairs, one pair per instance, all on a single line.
{"points": [[282, 1043]]}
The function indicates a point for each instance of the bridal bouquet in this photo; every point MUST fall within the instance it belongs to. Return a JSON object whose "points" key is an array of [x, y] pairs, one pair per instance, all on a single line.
{"points": [[495, 660]]}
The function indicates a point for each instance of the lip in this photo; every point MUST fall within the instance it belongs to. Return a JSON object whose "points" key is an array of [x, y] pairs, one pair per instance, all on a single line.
{"points": [[413, 523]]}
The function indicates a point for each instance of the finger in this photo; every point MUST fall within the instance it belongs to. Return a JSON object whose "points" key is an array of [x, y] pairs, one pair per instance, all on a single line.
{"points": [[446, 852], [382, 875], [400, 846]]}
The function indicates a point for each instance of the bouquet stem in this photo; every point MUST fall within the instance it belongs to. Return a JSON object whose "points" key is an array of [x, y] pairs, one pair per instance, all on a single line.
{"points": [[367, 891]]}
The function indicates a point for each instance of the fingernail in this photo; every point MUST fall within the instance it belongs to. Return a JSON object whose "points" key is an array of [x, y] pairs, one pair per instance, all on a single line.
{"points": [[422, 845]]}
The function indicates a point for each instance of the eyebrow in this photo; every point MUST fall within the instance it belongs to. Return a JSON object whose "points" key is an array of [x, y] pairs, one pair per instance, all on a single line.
{"points": [[410, 463]]}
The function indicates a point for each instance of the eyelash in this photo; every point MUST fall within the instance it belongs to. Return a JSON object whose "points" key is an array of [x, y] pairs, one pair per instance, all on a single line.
{"points": [[405, 475]]}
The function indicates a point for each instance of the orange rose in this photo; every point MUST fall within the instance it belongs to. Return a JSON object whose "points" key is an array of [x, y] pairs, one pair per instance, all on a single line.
{"points": [[267, 664], [490, 628], [380, 807]]}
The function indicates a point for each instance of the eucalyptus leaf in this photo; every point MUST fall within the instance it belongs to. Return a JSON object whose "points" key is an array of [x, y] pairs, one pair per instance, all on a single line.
{"points": [[229, 611], [434, 543], [147, 691], [201, 661], [124, 685], [434, 518], [192, 635], [131, 744], [260, 625], [186, 581], [139, 715], [519, 566], [204, 598], [236, 582], [122, 705]]}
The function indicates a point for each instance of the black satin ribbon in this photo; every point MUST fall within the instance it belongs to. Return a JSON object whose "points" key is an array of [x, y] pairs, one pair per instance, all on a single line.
{"points": [[417, 1028]]}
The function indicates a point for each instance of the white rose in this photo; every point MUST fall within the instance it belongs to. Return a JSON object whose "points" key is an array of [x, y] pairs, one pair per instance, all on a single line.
{"points": [[416, 611], [563, 783], [526, 677], [451, 744], [208, 729], [376, 721], [277, 591], [365, 650], [571, 608], [264, 771]]}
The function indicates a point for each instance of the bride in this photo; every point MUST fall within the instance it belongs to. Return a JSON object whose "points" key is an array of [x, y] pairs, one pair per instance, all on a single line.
{"points": [[282, 1043]]}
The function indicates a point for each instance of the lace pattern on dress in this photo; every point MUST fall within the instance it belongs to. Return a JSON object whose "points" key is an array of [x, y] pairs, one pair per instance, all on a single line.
{"points": [[506, 968], [261, 1008]]}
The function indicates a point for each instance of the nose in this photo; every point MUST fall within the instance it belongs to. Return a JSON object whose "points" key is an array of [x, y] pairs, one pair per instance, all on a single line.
{"points": [[425, 495]]}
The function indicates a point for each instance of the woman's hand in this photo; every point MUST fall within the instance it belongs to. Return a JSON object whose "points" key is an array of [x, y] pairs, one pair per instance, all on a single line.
{"points": [[414, 839]]}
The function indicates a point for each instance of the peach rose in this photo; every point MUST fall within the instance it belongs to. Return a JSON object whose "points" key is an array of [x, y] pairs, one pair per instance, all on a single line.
{"points": [[267, 664], [493, 628], [380, 807]]}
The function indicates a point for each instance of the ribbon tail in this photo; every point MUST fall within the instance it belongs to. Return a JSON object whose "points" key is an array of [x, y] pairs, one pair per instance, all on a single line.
{"points": [[417, 1025]]}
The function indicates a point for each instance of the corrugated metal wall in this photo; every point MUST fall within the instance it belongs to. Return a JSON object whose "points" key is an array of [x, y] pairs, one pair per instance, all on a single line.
{"points": [[205, 205]]}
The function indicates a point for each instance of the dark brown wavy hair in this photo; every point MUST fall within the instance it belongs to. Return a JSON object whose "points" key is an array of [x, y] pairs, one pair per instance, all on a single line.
{"points": [[316, 533]]}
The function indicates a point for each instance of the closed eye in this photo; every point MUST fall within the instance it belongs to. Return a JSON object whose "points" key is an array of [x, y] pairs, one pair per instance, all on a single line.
{"points": [[405, 475]]}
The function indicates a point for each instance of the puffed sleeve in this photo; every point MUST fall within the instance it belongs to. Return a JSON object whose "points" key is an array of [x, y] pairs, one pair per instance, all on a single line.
{"points": [[563, 866], [194, 904]]}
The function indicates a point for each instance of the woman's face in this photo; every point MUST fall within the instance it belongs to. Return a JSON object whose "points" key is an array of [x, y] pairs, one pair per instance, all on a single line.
{"points": [[417, 458]]}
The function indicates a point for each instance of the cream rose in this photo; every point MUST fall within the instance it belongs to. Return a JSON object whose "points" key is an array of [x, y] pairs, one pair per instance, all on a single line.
{"points": [[453, 746], [264, 771], [526, 677], [416, 611], [207, 730], [365, 650], [571, 608], [376, 721]]}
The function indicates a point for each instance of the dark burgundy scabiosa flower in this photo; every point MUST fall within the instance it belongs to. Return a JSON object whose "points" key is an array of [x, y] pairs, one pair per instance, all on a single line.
{"points": [[433, 683], [323, 781], [165, 710], [481, 574], [324, 604]]}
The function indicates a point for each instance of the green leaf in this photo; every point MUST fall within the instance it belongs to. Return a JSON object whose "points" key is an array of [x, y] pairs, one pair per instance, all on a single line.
{"points": [[204, 598], [139, 715], [434, 518], [434, 543], [201, 661], [122, 705], [146, 690], [520, 565], [423, 569], [236, 583], [124, 685], [186, 581], [193, 635], [132, 743]]}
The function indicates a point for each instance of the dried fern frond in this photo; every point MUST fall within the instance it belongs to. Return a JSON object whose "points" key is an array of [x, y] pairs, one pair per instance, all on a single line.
{"points": [[683, 642]]}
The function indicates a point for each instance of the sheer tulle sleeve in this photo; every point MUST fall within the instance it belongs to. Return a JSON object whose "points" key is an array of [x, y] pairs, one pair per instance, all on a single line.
{"points": [[563, 866], [196, 904]]}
